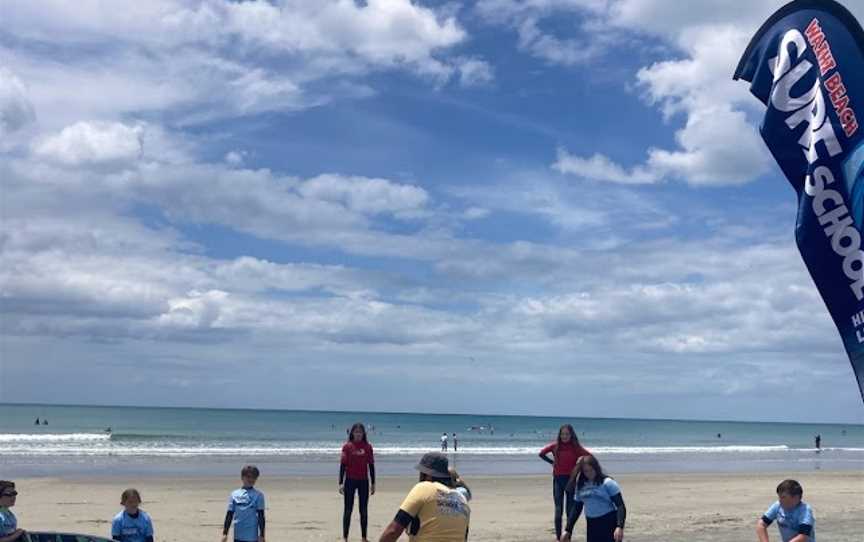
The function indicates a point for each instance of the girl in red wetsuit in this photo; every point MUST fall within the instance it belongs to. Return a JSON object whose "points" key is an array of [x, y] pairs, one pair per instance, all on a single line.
{"points": [[565, 451], [355, 471]]}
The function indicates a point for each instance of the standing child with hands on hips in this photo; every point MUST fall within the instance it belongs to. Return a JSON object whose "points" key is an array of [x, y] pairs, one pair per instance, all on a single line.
{"points": [[565, 451]]}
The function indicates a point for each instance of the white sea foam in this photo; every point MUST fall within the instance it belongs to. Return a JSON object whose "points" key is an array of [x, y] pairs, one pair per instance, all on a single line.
{"points": [[168, 449]]}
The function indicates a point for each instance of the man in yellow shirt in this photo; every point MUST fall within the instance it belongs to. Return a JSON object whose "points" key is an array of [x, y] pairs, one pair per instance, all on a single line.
{"points": [[436, 509]]}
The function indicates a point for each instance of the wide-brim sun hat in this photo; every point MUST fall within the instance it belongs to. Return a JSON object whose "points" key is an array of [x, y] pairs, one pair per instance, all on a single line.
{"points": [[434, 464]]}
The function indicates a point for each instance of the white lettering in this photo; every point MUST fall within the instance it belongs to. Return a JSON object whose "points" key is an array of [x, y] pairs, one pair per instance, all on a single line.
{"points": [[838, 225]]}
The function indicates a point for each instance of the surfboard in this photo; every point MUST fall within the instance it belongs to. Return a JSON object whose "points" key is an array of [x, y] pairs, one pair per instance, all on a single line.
{"points": [[62, 537]]}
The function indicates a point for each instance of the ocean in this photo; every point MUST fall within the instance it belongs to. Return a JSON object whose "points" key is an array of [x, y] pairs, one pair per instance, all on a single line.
{"points": [[191, 442]]}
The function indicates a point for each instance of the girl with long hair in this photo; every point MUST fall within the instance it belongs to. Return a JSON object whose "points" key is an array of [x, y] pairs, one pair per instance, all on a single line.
{"points": [[565, 451], [356, 469], [600, 496]]}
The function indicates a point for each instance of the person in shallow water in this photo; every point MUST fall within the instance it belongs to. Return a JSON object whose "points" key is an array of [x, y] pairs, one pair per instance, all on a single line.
{"points": [[356, 469], [565, 451]]}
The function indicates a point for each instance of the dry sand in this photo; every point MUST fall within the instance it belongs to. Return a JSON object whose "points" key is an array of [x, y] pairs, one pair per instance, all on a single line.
{"points": [[669, 508]]}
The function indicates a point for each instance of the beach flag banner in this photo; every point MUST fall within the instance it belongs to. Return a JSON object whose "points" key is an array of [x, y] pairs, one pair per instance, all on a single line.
{"points": [[806, 64]]}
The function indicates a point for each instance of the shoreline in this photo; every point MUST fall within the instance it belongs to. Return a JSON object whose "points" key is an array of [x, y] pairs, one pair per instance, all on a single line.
{"points": [[671, 507], [398, 465]]}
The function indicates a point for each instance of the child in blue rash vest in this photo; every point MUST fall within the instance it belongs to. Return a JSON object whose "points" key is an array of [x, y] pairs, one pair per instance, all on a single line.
{"points": [[794, 517], [9, 531], [600, 496], [246, 509], [132, 524]]}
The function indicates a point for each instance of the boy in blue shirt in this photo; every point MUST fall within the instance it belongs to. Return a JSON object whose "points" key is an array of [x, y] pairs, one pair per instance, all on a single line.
{"points": [[132, 524], [9, 531], [246, 509], [794, 517]]}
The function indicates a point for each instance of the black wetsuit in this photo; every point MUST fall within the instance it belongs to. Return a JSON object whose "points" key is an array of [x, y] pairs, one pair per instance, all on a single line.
{"points": [[362, 489]]}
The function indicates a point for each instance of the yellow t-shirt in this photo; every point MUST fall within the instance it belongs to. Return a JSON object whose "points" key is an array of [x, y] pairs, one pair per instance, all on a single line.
{"points": [[440, 514]]}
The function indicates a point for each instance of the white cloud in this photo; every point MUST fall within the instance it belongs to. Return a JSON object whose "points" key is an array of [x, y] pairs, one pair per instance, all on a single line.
{"points": [[717, 145], [476, 213], [365, 195], [474, 72], [220, 58], [93, 143], [235, 158], [526, 19], [600, 167]]}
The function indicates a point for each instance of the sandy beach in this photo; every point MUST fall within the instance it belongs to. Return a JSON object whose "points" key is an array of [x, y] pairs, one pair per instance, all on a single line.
{"points": [[671, 508]]}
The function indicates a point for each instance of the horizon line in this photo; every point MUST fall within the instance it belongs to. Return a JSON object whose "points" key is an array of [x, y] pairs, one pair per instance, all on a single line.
{"points": [[165, 407]]}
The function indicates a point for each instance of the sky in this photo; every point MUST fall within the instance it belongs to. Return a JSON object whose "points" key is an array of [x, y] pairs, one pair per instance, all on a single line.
{"points": [[550, 207]]}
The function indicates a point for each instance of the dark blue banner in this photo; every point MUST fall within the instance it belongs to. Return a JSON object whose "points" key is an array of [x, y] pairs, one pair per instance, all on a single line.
{"points": [[806, 64]]}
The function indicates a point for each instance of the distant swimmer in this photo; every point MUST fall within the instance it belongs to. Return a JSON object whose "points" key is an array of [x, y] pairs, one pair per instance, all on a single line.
{"points": [[36, 422], [45, 422], [108, 430], [818, 442], [719, 435]]}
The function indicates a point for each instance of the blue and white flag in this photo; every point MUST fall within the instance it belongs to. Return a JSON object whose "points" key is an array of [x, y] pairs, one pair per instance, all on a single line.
{"points": [[806, 64]]}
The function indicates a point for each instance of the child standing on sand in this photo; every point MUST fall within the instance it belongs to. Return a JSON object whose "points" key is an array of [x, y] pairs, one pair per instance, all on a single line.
{"points": [[132, 524], [9, 531], [794, 516], [356, 468], [565, 451], [246, 509]]}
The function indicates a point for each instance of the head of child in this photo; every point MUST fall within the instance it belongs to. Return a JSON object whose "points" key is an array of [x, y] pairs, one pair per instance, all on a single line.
{"points": [[567, 434], [7, 494], [589, 471], [789, 493], [249, 475], [357, 433], [131, 500]]}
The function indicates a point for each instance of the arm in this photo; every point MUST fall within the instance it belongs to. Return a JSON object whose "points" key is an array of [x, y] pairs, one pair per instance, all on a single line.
{"points": [[229, 518], [393, 531], [341, 474], [261, 522], [571, 520], [458, 482], [372, 468], [16, 535], [148, 533], [621, 512], [544, 454], [761, 530]]}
